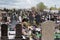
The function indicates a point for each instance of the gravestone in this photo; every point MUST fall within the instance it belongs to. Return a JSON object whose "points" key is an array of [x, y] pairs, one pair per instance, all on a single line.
{"points": [[0, 19], [4, 32], [48, 28], [18, 32], [5, 19]]}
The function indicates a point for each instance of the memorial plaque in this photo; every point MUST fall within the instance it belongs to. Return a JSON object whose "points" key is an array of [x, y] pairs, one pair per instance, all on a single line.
{"points": [[4, 32], [48, 28]]}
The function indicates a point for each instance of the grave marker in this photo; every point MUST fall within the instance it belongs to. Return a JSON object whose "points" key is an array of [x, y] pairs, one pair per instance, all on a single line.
{"points": [[4, 32], [18, 32], [48, 28]]}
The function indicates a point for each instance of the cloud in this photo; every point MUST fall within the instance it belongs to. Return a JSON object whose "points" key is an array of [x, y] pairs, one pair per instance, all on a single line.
{"points": [[27, 3]]}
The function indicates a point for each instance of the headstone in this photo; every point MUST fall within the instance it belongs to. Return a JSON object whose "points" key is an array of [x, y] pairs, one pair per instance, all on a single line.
{"points": [[5, 19], [4, 32], [18, 32], [48, 28], [0, 19]]}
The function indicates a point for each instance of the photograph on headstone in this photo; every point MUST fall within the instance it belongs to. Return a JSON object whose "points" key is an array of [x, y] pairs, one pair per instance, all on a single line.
{"points": [[30, 19]]}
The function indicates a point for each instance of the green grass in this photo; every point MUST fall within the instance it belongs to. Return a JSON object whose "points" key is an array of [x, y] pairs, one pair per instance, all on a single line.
{"points": [[57, 34]]}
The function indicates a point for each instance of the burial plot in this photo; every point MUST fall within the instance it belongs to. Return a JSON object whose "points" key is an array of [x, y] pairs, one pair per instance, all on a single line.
{"points": [[48, 28]]}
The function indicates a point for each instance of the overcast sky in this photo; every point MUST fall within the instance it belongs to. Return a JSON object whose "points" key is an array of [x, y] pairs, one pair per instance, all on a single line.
{"points": [[27, 3]]}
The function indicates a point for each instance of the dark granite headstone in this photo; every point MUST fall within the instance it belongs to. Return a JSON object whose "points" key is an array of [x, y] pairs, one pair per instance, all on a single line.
{"points": [[18, 32], [4, 32], [4, 18]]}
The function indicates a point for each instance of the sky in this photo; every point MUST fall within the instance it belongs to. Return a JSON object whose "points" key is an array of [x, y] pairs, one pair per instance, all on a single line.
{"points": [[27, 3]]}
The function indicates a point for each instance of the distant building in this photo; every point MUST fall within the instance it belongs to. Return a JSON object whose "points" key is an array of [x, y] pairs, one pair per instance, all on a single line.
{"points": [[52, 11]]}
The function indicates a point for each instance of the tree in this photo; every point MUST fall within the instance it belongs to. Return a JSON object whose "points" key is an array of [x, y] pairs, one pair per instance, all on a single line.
{"points": [[33, 8], [41, 6], [53, 8], [58, 8]]}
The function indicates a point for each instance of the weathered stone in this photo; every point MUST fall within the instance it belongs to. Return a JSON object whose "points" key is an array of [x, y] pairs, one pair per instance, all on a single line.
{"points": [[48, 28]]}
